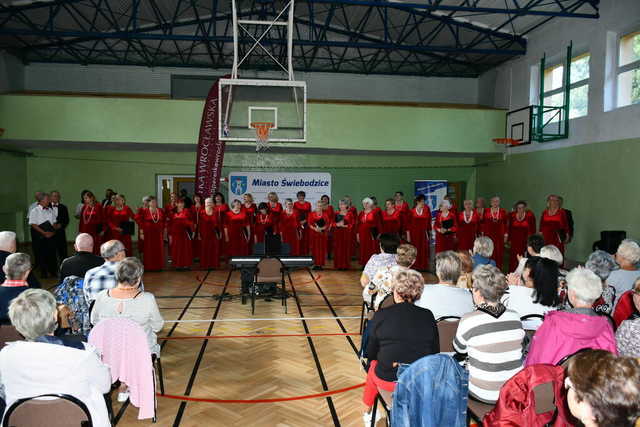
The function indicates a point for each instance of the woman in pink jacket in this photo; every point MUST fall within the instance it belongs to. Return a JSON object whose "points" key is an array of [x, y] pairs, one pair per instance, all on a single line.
{"points": [[564, 332]]}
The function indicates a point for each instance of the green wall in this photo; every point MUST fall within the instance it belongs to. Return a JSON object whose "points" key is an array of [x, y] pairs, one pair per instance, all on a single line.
{"points": [[13, 191], [365, 127], [134, 173], [597, 181]]}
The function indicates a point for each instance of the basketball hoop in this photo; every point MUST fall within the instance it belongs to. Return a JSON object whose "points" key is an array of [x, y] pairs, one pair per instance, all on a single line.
{"points": [[507, 141], [263, 129]]}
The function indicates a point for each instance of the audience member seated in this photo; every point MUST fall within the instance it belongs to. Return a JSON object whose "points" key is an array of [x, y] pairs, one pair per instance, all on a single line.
{"points": [[16, 269], [389, 243], [84, 259], [7, 247], [466, 269], [482, 251], [602, 263], [553, 253], [446, 298], [491, 336], [382, 283], [129, 301], [626, 309], [564, 332], [537, 293], [603, 390], [401, 333], [535, 242], [45, 364], [628, 333], [627, 257], [103, 277]]}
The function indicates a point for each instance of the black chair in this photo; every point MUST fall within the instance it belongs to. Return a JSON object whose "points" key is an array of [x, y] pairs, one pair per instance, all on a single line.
{"points": [[447, 328], [51, 410], [269, 271], [8, 333], [385, 398], [610, 240]]}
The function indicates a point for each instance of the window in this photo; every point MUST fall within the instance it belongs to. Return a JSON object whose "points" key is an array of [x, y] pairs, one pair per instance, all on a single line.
{"points": [[629, 70], [579, 87]]}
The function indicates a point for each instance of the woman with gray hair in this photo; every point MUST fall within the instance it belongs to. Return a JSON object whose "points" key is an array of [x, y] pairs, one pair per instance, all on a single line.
{"points": [[564, 332], [602, 264], [445, 298], [627, 257], [482, 251], [494, 226], [369, 228], [401, 333], [491, 336], [16, 269], [128, 301], [45, 364]]}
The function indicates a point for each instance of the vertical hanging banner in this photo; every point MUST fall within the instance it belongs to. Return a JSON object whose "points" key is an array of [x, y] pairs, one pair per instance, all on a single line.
{"points": [[210, 148]]}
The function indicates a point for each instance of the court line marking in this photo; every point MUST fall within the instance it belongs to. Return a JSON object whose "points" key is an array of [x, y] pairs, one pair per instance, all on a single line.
{"points": [[202, 337], [250, 319], [273, 400]]}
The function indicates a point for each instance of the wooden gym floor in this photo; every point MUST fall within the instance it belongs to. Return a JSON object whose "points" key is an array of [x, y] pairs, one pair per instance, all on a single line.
{"points": [[257, 359]]}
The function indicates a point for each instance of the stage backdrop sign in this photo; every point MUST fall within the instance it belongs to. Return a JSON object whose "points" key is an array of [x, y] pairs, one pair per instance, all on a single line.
{"points": [[286, 184], [433, 192]]}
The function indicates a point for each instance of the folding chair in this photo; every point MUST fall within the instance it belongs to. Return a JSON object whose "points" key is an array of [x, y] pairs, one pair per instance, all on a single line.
{"points": [[51, 410], [447, 328], [269, 271], [8, 333]]}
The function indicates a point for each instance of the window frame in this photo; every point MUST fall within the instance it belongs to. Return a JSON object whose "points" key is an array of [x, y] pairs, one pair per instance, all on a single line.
{"points": [[621, 69], [560, 90]]}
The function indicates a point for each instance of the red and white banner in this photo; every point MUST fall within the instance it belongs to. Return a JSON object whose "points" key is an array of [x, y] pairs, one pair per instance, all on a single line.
{"points": [[210, 148]]}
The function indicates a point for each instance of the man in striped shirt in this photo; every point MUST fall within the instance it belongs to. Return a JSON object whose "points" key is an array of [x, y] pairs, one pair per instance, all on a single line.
{"points": [[491, 336]]}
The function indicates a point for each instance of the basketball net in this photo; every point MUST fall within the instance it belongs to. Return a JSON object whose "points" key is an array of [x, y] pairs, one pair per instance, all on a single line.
{"points": [[263, 130]]}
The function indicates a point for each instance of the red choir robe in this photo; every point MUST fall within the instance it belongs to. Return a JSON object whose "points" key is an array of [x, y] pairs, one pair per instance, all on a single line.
{"points": [[236, 225], [404, 215], [342, 241], [446, 242], [468, 230], [330, 213], [264, 224], [391, 223], [289, 229], [495, 227], [92, 222], [114, 219], [152, 225], [318, 240], [210, 230], [554, 228], [275, 209], [519, 232], [221, 211], [368, 225], [196, 242], [419, 228], [354, 230], [181, 227], [303, 209]]}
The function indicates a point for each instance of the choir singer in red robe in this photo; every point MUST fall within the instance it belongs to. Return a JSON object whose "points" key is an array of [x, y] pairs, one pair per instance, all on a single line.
{"points": [[419, 232], [210, 230], [119, 222], [289, 227], [391, 218], [468, 226], [181, 227], [237, 233], [369, 228], [151, 222], [303, 208], [446, 227], [553, 223], [494, 224], [319, 225], [342, 236], [265, 223], [92, 220], [522, 224]]}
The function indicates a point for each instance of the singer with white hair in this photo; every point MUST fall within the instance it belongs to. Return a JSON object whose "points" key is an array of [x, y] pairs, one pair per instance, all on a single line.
{"points": [[446, 227], [494, 226], [369, 228]]}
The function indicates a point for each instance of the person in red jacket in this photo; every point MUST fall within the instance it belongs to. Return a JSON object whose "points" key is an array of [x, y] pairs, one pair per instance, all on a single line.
{"points": [[495, 221], [210, 234], [319, 225], [180, 235], [152, 222], [289, 227], [468, 226], [116, 217], [92, 220], [342, 237], [553, 223], [303, 208], [446, 227], [522, 224]]}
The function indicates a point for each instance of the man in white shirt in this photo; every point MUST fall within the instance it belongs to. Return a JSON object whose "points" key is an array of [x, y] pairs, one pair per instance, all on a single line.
{"points": [[42, 221], [445, 298]]}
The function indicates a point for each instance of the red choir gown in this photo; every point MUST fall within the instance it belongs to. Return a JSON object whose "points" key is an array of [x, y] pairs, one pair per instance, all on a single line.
{"points": [[196, 242], [342, 241], [289, 229], [303, 210], [404, 215], [236, 225], [468, 230], [330, 213], [152, 226], [446, 242], [140, 242], [368, 224], [114, 219], [419, 228], [275, 210], [318, 240], [495, 227], [91, 222], [354, 229], [180, 228], [264, 224], [519, 232], [168, 211], [210, 235], [221, 211], [554, 228], [392, 223]]}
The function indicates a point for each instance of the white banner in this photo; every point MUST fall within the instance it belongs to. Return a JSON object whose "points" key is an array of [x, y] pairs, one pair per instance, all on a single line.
{"points": [[285, 184]]}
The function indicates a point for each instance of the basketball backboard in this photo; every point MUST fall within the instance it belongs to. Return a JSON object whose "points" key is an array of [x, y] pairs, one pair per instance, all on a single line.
{"points": [[519, 125]]}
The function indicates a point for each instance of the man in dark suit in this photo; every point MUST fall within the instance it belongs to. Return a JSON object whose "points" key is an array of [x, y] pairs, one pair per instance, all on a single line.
{"points": [[62, 215], [569, 215], [84, 259], [8, 247]]}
